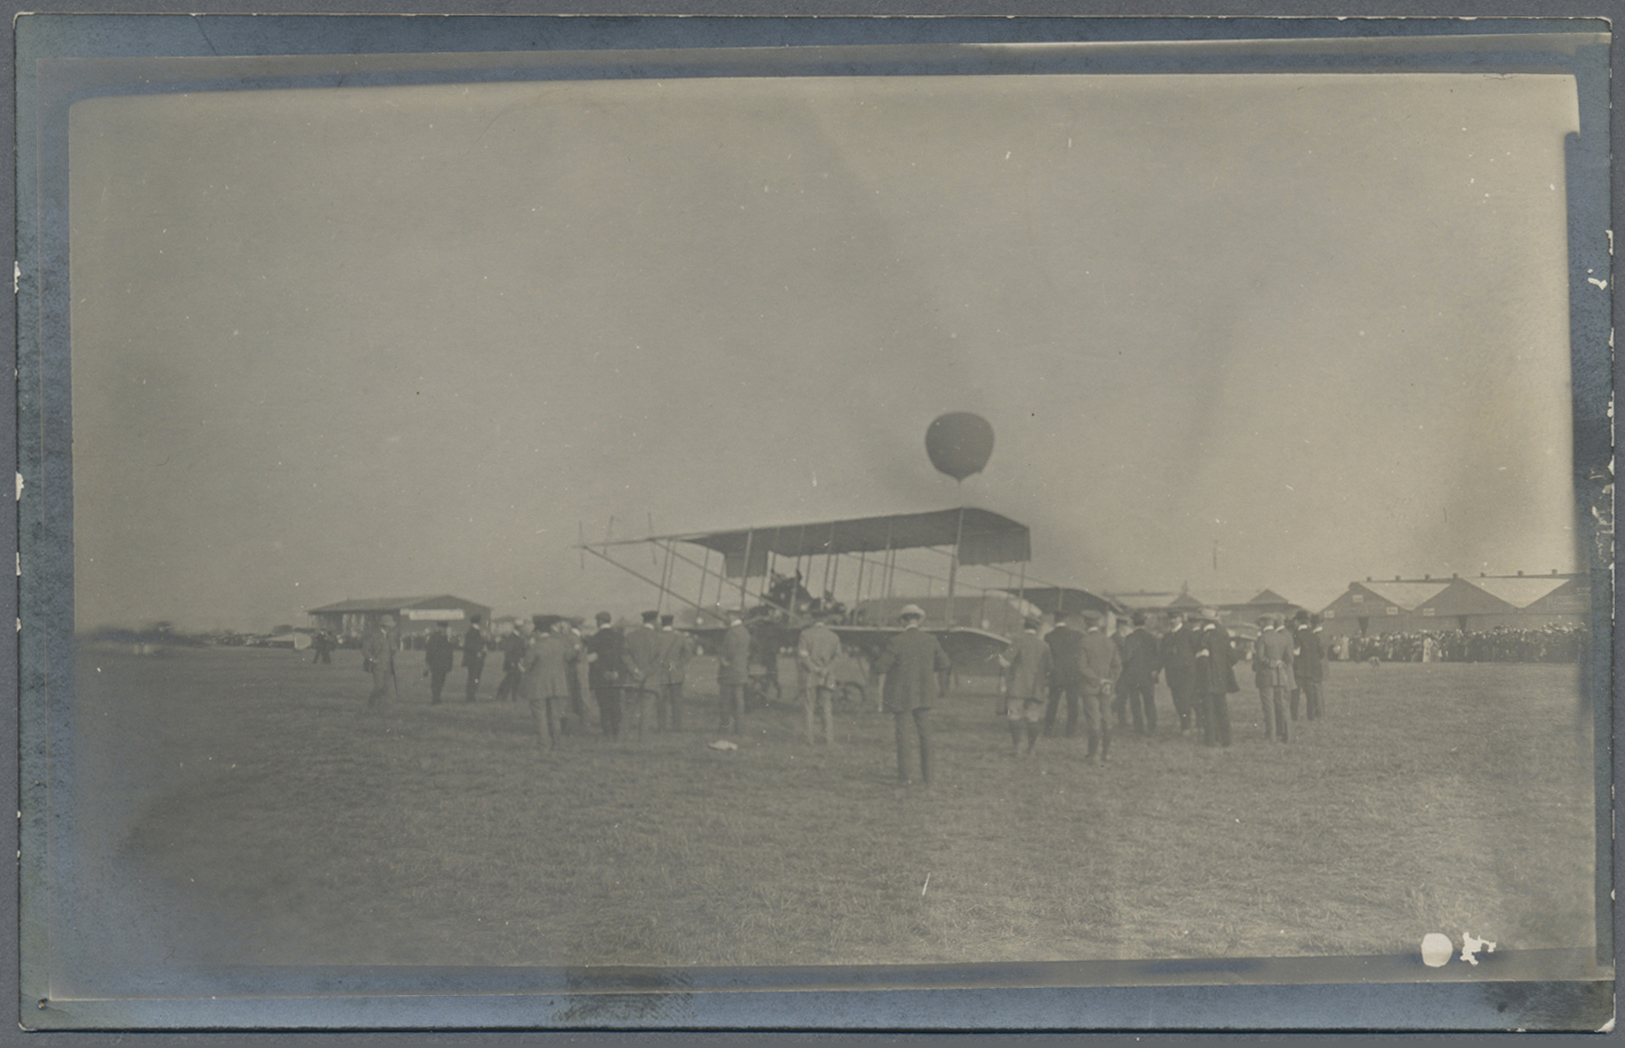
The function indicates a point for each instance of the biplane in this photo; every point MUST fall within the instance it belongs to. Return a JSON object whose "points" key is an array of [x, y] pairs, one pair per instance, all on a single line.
{"points": [[856, 574]]}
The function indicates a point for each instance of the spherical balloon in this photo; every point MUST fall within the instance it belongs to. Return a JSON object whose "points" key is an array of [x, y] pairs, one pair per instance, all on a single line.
{"points": [[959, 443]]}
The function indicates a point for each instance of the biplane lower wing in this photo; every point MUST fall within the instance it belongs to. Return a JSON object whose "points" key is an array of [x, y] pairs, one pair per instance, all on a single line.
{"points": [[968, 648]]}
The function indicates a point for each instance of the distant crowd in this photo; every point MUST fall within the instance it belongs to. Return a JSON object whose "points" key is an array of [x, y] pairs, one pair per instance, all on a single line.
{"points": [[1550, 644]]}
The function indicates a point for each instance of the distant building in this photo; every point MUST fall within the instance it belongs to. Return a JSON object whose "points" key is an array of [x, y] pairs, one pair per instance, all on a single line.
{"points": [[1472, 605], [412, 614], [1234, 606], [1542, 600]]}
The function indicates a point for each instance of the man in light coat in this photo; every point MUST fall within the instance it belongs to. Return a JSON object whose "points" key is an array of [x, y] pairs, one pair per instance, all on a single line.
{"points": [[915, 669], [1028, 663], [378, 649], [641, 654], [549, 663], [672, 656], [733, 673], [1276, 652], [1100, 666], [474, 645], [817, 652]]}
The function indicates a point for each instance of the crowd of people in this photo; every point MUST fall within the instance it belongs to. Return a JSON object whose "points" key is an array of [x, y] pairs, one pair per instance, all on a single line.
{"points": [[543, 661], [1104, 682], [1556, 643]]}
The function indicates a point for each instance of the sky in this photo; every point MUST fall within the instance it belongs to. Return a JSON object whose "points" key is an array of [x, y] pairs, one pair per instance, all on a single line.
{"points": [[1231, 331]]}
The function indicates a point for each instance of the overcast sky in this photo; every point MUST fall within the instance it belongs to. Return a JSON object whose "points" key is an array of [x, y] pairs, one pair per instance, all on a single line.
{"points": [[381, 341]]}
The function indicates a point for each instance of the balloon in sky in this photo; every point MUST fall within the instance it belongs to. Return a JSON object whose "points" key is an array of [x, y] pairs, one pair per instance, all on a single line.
{"points": [[959, 443]]}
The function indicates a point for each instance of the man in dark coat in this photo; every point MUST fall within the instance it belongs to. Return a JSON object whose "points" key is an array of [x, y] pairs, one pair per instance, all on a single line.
{"points": [[605, 659], [513, 654], [1308, 667], [473, 657], [440, 655], [1139, 680], [1177, 656], [1066, 677], [1215, 679], [915, 669]]}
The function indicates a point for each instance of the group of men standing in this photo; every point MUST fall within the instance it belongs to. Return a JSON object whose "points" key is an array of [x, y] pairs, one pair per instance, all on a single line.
{"points": [[1064, 664], [1114, 678], [1100, 678], [541, 664]]}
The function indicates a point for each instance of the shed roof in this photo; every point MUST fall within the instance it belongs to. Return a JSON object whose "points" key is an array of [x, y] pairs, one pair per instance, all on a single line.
{"points": [[1407, 595], [1521, 592]]}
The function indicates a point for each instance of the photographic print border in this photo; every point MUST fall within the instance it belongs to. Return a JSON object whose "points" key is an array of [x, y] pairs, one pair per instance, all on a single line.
{"points": [[63, 58]]}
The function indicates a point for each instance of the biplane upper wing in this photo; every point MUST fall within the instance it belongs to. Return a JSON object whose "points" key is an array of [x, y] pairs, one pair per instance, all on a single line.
{"points": [[982, 537]]}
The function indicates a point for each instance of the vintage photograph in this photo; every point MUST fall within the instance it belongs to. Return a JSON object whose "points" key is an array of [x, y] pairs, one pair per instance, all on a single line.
{"points": [[921, 519]]}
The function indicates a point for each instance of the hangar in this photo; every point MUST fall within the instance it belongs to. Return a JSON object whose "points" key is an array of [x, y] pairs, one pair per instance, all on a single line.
{"points": [[350, 618]]}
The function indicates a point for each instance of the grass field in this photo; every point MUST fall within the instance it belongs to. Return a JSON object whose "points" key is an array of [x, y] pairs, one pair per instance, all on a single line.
{"points": [[240, 806]]}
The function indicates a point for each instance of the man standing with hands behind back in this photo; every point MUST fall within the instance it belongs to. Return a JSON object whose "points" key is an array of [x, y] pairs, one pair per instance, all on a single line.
{"points": [[1100, 668], [1066, 650], [914, 667]]}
